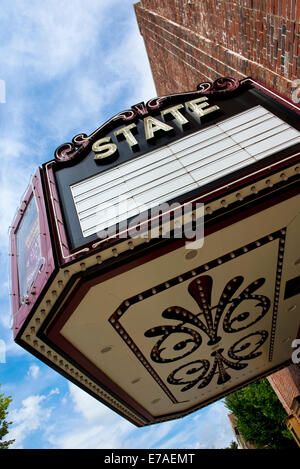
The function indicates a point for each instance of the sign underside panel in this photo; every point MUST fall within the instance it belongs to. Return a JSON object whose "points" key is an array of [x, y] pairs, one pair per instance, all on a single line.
{"points": [[210, 323]]}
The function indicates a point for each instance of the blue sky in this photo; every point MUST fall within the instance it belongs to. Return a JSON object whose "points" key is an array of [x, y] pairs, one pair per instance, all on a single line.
{"points": [[68, 66]]}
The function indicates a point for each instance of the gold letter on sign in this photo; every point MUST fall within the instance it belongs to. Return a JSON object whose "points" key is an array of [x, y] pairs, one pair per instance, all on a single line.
{"points": [[126, 132], [103, 151], [174, 111], [197, 106], [153, 125]]}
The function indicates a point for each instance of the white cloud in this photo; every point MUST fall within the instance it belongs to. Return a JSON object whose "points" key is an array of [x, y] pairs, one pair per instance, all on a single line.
{"points": [[214, 428], [133, 66], [33, 372], [54, 38], [32, 416], [88, 407], [102, 428]]}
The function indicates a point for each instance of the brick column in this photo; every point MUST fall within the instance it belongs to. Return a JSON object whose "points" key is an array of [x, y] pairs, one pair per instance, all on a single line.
{"points": [[189, 41]]}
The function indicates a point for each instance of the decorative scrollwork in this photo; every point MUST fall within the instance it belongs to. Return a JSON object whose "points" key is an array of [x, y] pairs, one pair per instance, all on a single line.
{"points": [[71, 151], [236, 351], [236, 312], [221, 85]]}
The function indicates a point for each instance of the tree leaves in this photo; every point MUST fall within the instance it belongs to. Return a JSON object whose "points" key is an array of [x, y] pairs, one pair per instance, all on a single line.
{"points": [[4, 403], [260, 416]]}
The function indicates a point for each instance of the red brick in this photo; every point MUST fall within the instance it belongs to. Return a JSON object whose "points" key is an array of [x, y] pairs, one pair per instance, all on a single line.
{"points": [[191, 41], [286, 384]]}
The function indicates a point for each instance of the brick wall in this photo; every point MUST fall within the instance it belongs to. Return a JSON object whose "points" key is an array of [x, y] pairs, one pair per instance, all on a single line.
{"points": [[286, 384], [189, 41]]}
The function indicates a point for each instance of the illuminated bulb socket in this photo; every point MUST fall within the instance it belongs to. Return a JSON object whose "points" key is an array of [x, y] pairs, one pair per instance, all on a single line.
{"points": [[83, 266], [194, 273], [245, 249], [153, 291], [140, 297], [232, 255], [167, 285], [224, 203], [180, 279], [99, 260], [219, 261], [206, 267], [115, 253]]}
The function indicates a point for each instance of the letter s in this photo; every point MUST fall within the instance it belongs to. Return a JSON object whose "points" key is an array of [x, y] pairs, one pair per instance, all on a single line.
{"points": [[103, 148]]}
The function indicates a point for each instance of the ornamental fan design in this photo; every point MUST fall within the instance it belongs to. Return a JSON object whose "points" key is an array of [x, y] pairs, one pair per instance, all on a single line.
{"points": [[233, 313]]}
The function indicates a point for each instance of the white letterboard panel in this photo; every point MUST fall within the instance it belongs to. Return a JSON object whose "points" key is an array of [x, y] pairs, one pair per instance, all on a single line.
{"points": [[146, 181]]}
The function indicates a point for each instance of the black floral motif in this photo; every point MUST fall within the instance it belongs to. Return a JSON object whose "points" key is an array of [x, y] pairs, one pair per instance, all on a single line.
{"points": [[234, 313]]}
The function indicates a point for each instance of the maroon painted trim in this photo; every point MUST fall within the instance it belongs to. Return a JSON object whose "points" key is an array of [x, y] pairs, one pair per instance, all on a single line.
{"points": [[61, 241], [53, 332], [270, 92], [21, 311]]}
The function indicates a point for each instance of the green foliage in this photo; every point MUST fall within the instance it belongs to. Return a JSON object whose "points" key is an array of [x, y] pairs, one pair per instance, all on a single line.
{"points": [[4, 403], [260, 416], [233, 445]]}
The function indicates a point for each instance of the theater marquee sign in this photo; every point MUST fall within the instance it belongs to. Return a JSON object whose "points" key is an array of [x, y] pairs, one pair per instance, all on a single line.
{"points": [[155, 262]]}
